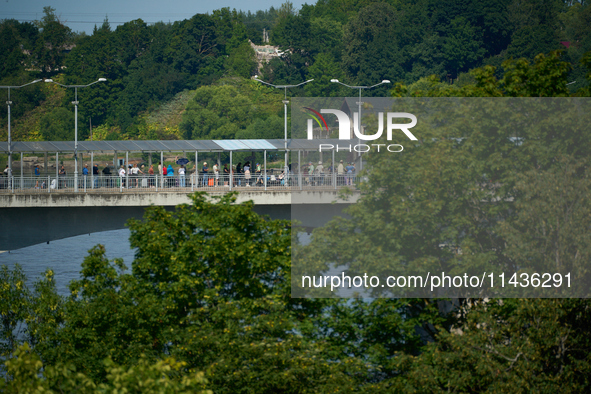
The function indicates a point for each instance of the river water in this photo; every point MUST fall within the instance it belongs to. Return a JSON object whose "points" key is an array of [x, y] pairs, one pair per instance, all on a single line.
{"points": [[65, 256]]}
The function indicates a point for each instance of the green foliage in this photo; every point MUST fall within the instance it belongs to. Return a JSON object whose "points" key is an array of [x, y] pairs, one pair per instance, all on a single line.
{"points": [[547, 76], [184, 262], [54, 37], [269, 128], [225, 110], [242, 61], [24, 372], [463, 46], [536, 27], [511, 345], [11, 57], [360, 42], [14, 300], [291, 33], [322, 71], [26, 315], [258, 22], [371, 52], [58, 125], [555, 240]]}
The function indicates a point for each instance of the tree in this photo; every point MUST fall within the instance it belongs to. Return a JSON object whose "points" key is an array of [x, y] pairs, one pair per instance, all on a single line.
{"points": [[25, 370], [536, 28], [269, 128], [11, 58], [516, 345], [371, 51], [58, 125], [218, 112], [193, 48], [15, 297], [463, 47], [52, 42], [242, 61]]}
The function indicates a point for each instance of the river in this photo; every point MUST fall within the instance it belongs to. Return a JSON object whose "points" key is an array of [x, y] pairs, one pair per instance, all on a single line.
{"points": [[65, 256]]}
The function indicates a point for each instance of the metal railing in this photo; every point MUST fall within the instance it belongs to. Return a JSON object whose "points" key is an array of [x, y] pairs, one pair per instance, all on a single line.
{"points": [[176, 183]]}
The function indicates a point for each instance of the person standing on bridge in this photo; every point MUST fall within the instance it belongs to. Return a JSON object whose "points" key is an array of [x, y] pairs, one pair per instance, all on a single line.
{"points": [[95, 175], [62, 176], [134, 173], [247, 174], [143, 180], [151, 176], [107, 174], [122, 176], [182, 176], [350, 173], [37, 173], [85, 174], [320, 174], [238, 173], [216, 173], [226, 178], [170, 175], [205, 170], [258, 175]]}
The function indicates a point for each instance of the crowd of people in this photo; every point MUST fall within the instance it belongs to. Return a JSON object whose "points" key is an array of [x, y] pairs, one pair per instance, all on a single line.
{"points": [[169, 176]]}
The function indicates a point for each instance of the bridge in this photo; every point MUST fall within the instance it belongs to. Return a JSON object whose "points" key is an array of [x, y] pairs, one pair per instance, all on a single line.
{"points": [[46, 205], [37, 217]]}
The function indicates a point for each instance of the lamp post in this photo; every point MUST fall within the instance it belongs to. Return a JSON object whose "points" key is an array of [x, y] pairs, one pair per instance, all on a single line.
{"points": [[359, 114], [75, 102], [9, 103], [285, 102]]}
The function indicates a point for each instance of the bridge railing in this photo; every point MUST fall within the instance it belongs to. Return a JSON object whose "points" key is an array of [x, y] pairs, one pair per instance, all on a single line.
{"points": [[176, 183]]}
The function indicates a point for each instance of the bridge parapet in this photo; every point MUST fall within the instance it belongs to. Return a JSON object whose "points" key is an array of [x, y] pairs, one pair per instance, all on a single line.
{"points": [[128, 199]]}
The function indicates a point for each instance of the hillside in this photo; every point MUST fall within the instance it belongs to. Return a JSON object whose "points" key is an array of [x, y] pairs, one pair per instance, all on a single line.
{"points": [[152, 70]]}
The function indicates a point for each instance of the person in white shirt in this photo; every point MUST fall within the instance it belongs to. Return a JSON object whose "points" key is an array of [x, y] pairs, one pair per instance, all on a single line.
{"points": [[320, 172], [122, 176], [340, 173], [182, 176], [216, 173], [134, 172], [246, 170]]}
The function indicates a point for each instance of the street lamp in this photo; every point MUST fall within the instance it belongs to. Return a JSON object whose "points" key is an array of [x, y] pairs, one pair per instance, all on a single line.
{"points": [[359, 115], [9, 138], [75, 102], [285, 102]]}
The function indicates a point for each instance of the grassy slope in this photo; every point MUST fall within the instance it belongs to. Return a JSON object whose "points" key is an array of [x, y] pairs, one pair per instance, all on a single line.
{"points": [[26, 128]]}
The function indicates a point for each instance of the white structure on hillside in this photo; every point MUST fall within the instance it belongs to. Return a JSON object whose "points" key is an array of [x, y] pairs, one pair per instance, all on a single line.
{"points": [[264, 53]]}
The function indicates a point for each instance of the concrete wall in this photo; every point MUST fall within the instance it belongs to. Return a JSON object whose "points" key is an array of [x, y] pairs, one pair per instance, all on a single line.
{"points": [[127, 199]]}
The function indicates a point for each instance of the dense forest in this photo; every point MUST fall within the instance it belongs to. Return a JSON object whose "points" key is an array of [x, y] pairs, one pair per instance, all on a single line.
{"points": [[206, 304], [156, 72]]}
